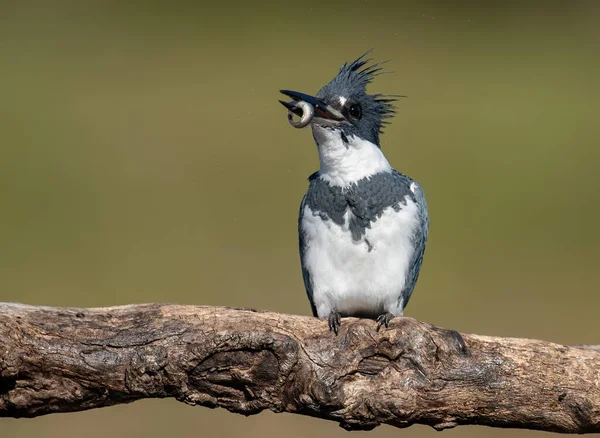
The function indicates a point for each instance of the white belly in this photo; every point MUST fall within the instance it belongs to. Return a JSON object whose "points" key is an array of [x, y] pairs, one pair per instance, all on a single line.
{"points": [[362, 277]]}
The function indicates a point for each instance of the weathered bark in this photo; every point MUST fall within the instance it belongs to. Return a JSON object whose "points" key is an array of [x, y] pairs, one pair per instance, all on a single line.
{"points": [[69, 359]]}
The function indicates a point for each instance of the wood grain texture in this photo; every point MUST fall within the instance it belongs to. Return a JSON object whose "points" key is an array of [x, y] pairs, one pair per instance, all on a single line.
{"points": [[71, 359]]}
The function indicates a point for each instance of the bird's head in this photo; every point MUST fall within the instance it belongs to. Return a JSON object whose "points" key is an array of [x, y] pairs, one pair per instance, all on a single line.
{"points": [[343, 105]]}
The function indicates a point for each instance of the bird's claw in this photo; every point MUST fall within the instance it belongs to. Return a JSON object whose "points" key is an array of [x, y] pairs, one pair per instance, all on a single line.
{"points": [[384, 320], [335, 320]]}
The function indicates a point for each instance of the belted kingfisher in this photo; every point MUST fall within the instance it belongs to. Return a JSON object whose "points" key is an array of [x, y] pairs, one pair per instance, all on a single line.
{"points": [[362, 225]]}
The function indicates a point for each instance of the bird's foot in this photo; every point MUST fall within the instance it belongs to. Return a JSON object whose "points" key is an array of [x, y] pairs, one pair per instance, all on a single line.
{"points": [[384, 319], [335, 319]]}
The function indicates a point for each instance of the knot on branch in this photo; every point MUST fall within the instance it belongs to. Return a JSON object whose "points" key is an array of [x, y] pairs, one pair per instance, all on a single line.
{"points": [[244, 373]]}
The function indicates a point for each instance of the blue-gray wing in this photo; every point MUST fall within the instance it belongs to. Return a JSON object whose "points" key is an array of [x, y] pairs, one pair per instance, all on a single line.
{"points": [[303, 244], [419, 241]]}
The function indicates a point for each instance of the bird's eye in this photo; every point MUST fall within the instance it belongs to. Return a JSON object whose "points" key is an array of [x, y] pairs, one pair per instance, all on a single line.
{"points": [[355, 111]]}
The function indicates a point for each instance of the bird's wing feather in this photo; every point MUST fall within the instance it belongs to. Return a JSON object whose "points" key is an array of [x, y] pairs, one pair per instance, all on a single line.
{"points": [[302, 244], [420, 240]]}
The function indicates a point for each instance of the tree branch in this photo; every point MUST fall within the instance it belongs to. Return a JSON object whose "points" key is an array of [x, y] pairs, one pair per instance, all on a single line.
{"points": [[69, 359]]}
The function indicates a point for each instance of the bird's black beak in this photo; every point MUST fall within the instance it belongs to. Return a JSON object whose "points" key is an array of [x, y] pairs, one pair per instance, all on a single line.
{"points": [[322, 113]]}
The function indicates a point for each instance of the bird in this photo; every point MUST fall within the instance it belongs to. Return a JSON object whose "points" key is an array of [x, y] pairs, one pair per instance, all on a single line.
{"points": [[362, 225]]}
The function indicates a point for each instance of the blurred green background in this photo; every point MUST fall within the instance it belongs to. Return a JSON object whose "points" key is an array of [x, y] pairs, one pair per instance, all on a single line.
{"points": [[144, 157]]}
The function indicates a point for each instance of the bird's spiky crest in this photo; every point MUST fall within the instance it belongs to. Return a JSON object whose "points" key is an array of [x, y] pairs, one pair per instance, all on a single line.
{"points": [[352, 80], [356, 73], [360, 73]]}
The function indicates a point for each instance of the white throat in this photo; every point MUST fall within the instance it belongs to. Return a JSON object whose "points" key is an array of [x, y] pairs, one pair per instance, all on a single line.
{"points": [[345, 163]]}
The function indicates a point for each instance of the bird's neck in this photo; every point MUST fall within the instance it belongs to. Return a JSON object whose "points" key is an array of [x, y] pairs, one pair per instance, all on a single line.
{"points": [[346, 162]]}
